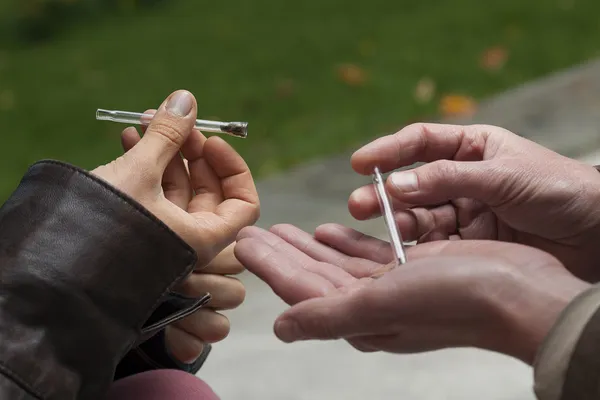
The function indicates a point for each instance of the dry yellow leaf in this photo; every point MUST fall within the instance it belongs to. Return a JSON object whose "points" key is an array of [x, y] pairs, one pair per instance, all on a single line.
{"points": [[494, 58], [352, 74], [457, 105]]}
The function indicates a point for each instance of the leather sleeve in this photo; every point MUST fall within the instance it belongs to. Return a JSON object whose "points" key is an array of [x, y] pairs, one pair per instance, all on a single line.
{"points": [[82, 268], [567, 366]]}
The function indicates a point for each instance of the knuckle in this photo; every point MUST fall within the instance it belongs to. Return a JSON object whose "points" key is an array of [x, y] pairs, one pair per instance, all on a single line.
{"points": [[482, 129], [422, 129], [415, 126], [442, 169], [171, 133], [485, 131], [254, 212]]}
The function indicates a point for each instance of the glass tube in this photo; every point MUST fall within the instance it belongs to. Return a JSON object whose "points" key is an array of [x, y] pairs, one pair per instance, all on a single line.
{"points": [[237, 129], [388, 216]]}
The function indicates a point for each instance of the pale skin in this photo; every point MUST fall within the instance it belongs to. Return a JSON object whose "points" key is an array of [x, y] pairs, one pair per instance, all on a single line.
{"points": [[497, 296], [204, 191], [497, 219], [484, 182]]}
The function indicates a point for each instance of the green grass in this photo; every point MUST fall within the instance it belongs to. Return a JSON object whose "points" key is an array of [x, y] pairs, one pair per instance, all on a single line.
{"points": [[234, 54]]}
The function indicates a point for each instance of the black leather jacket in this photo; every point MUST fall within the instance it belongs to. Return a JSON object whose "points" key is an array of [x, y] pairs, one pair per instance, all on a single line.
{"points": [[85, 279]]}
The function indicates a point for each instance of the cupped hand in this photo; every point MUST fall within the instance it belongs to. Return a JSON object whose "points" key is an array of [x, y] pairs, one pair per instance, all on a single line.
{"points": [[484, 182], [203, 190], [498, 296]]}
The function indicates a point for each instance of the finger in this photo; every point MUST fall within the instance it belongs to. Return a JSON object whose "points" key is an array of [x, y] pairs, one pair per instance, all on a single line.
{"points": [[333, 273], [144, 126], [205, 183], [399, 299], [175, 181], [241, 206], [167, 132], [433, 236], [416, 222], [421, 143], [354, 243], [129, 138], [348, 268], [183, 346], [339, 316], [206, 325], [227, 292], [225, 263], [444, 180], [475, 247], [280, 271], [363, 203], [308, 245]]}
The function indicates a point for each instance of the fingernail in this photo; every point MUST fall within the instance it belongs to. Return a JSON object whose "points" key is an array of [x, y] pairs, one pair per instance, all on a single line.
{"points": [[358, 196], [405, 181], [288, 331], [180, 103]]}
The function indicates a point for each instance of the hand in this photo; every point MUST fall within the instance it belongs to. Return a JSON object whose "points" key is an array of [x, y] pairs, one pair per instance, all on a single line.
{"points": [[483, 182], [497, 296], [206, 206], [185, 339]]}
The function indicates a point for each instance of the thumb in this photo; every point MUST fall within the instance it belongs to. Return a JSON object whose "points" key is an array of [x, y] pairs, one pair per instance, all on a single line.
{"points": [[167, 132], [332, 317], [444, 180]]}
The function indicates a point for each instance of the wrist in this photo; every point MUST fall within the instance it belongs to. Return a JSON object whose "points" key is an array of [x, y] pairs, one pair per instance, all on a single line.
{"points": [[529, 311]]}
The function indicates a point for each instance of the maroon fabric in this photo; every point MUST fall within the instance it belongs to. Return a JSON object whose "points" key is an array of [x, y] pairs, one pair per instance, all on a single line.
{"points": [[161, 385]]}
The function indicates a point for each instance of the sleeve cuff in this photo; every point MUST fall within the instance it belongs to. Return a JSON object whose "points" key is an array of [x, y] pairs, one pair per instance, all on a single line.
{"points": [[563, 349]]}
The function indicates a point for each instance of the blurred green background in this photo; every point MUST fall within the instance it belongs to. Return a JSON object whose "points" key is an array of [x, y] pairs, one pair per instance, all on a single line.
{"points": [[313, 77]]}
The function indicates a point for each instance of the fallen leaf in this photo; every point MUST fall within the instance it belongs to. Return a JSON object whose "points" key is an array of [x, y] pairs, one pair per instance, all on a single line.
{"points": [[285, 88], [457, 106], [352, 75], [425, 90], [494, 58]]}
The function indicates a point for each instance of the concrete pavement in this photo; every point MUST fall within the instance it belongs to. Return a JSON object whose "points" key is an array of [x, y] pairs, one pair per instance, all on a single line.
{"points": [[560, 112]]}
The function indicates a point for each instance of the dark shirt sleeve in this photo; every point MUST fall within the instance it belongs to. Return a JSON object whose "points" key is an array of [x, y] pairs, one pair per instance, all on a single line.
{"points": [[83, 268]]}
